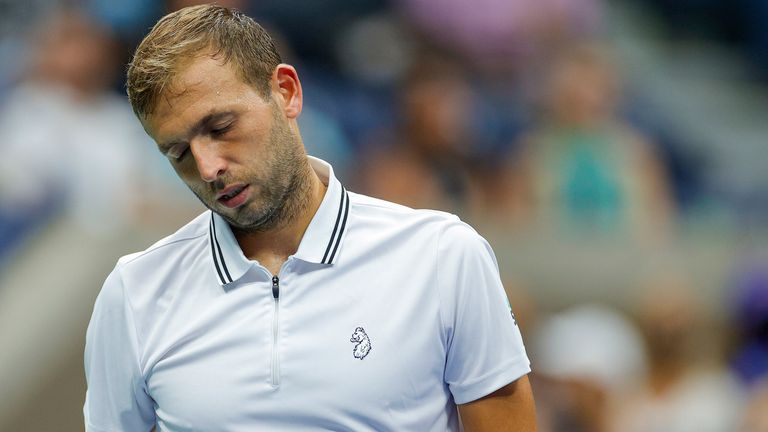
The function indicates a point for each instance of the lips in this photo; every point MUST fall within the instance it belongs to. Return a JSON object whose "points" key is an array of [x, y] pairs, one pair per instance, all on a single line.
{"points": [[233, 196]]}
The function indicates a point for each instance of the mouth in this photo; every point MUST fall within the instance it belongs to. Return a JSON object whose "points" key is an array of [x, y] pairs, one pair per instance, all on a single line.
{"points": [[233, 196]]}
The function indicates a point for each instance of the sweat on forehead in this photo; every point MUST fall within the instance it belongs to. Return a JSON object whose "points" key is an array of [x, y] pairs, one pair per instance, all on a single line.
{"points": [[204, 77], [193, 70]]}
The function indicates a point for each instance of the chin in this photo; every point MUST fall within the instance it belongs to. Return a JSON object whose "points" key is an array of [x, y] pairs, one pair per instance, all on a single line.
{"points": [[260, 220]]}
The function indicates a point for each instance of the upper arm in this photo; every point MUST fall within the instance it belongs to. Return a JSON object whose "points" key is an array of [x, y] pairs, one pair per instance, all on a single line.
{"points": [[484, 348], [508, 409], [116, 398]]}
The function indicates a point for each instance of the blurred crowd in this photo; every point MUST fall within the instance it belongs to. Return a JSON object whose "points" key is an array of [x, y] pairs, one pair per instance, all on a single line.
{"points": [[514, 114]]}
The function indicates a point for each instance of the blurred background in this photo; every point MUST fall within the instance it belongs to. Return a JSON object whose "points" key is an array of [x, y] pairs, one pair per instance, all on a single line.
{"points": [[613, 153]]}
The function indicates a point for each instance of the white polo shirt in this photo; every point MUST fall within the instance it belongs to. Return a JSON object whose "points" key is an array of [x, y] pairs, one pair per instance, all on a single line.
{"points": [[384, 319]]}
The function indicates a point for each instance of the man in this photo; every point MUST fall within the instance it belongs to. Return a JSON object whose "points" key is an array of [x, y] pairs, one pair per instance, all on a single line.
{"points": [[292, 304]]}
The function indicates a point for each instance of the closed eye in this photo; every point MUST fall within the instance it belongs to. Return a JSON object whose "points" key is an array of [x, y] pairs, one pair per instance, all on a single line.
{"points": [[177, 152], [221, 130]]}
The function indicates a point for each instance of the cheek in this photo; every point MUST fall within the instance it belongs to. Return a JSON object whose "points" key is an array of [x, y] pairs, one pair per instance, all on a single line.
{"points": [[187, 172]]}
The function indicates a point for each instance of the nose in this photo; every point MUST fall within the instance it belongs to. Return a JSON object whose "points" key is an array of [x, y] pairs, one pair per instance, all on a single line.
{"points": [[210, 162]]}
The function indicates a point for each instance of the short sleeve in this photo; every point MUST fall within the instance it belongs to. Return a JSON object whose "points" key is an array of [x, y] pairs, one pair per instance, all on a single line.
{"points": [[484, 347], [116, 399]]}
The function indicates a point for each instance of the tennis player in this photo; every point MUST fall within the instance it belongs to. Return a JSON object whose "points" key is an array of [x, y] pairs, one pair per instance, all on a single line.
{"points": [[292, 304]]}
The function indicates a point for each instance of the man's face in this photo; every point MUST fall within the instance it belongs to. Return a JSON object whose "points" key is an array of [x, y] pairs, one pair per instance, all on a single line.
{"points": [[235, 150]]}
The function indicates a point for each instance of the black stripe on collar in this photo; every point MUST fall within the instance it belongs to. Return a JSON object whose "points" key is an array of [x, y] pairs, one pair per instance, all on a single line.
{"points": [[218, 257], [341, 218]]}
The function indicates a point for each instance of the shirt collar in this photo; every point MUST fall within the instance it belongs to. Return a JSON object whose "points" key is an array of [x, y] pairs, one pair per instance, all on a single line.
{"points": [[320, 244]]}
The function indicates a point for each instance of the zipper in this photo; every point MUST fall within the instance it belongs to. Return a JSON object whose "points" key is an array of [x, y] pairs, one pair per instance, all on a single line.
{"points": [[275, 332]]}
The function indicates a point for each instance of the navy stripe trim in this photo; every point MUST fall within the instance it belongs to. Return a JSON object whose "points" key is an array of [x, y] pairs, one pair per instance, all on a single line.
{"points": [[220, 256], [213, 253], [343, 224], [335, 227]]}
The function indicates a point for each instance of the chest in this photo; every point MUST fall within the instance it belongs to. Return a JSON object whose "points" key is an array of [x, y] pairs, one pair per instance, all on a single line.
{"points": [[318, 349]]}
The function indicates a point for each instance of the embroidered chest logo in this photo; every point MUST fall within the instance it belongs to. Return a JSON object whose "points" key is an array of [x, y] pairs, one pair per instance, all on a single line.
{"points": [[362, 343]]}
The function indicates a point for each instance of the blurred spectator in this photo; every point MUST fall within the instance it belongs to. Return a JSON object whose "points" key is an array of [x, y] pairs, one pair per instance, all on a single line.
{"points": [[15, 18], [312, 27], [583, 168], [586, 358], [426, 159], [66, 137], [376, 50], [501, 35], [688, 389], [324, 138], [127, 19]]}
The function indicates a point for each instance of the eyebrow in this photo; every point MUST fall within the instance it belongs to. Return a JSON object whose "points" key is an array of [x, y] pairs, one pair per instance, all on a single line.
{"points": [[195, 129]]}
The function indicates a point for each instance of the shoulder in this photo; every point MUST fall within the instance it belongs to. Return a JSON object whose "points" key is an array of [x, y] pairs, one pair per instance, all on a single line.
{"points": [[188, 239], [378, 210], [138, 280], [441, 229]]}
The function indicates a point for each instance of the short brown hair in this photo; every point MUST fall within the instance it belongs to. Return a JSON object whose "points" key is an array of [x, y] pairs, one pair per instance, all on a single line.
{"points": [[178, 36]]}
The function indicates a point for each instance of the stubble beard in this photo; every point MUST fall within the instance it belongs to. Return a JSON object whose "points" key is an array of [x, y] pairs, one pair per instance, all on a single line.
{"points": [[284, 195]]}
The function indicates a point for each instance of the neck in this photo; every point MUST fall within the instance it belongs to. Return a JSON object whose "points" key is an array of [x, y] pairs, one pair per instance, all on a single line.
{"points": [[271, 248]]}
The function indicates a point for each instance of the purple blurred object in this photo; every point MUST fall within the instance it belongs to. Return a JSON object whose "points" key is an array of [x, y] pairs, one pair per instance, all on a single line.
{"points": [[752, 298], [751, 318], [500, 28]]}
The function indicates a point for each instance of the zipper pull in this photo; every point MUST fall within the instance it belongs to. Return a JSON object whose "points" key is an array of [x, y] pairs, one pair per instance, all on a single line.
{"points": [[275, 287]]}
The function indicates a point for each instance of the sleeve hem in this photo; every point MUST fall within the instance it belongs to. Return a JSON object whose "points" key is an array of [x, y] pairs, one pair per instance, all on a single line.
{"points": [[91, 428], [475, 390]]}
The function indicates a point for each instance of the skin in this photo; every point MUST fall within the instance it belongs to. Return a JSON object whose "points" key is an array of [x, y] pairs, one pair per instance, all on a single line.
{"points": [[219, 132], [508, 409]]}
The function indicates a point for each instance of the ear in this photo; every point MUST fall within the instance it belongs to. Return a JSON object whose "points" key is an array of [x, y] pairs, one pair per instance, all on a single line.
{"points": [[285, 81]]}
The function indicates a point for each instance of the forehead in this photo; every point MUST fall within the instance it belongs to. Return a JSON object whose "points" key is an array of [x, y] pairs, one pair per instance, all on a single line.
{"points": [[197, 76], [202, 85]]}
